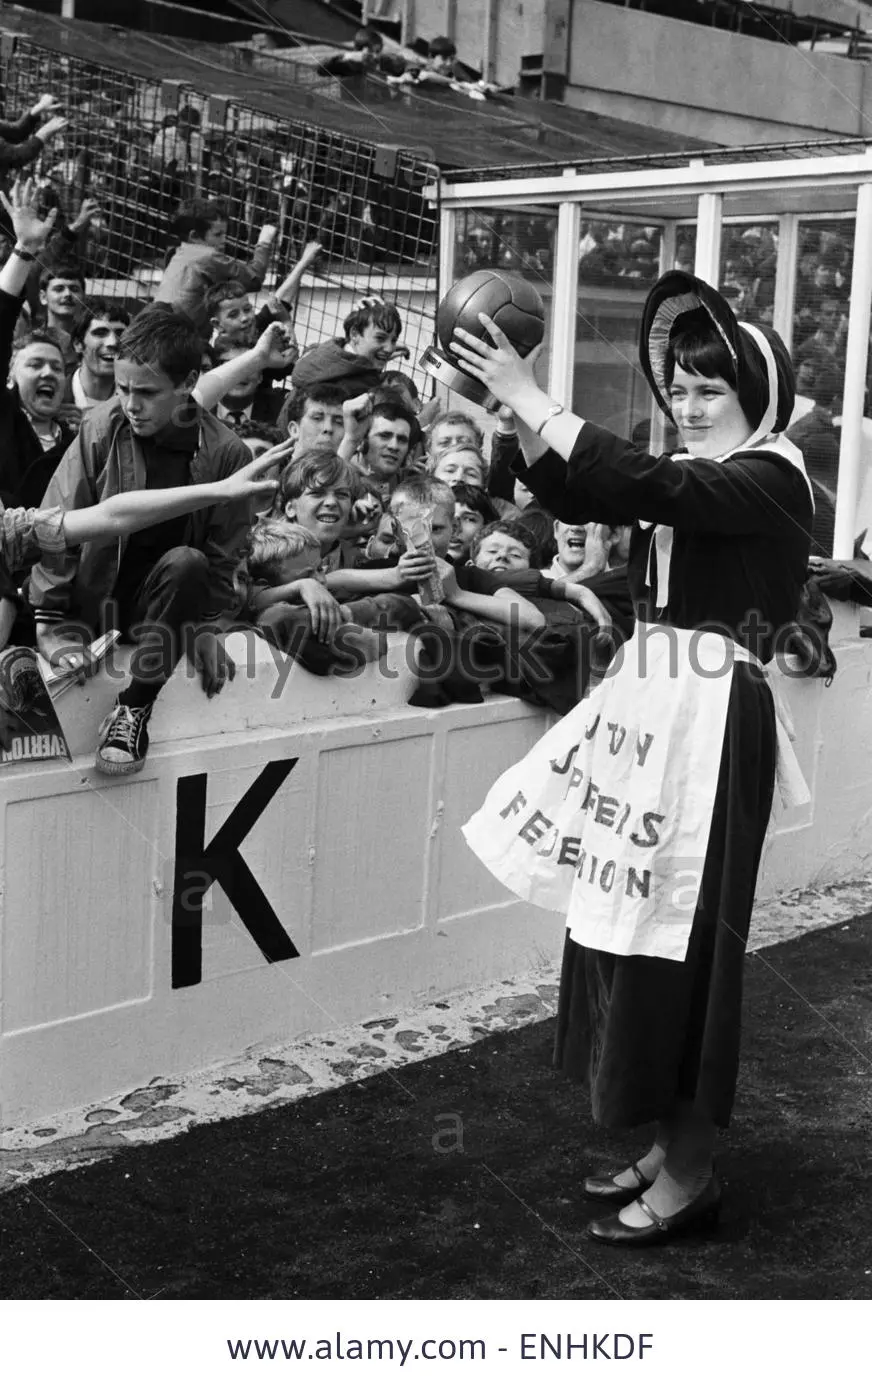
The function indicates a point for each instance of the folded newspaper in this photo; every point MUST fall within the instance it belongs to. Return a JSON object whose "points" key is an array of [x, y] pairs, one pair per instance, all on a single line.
{"points": [[57, 682], [30, 730]]}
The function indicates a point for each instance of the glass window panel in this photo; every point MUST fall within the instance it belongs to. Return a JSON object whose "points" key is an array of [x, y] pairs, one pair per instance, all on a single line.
{"points": [[749, 253], [511, 239], [820, 328], [618, 264]]}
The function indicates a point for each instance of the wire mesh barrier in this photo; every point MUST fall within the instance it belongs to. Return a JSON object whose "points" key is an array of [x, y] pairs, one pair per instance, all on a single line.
{"points": [[141, 146]]}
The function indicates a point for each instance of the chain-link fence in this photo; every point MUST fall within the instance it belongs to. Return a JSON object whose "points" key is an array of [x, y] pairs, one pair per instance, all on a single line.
{"points": [[140, 146]]}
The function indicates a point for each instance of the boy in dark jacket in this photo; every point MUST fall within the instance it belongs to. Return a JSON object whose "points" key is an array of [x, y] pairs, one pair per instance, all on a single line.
{"points": [[169, 585], [355, 361]]}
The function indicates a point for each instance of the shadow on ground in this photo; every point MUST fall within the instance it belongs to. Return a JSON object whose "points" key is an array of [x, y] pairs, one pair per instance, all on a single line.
{"points": [[365, 1193]]}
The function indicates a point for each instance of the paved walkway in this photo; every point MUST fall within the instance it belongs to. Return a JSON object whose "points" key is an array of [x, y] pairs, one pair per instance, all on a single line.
{"points": [[277, 1075]]}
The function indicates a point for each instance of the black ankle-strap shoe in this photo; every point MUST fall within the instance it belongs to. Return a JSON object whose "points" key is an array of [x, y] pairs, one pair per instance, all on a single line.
{"points": [[699, 1216], [601, 1187]]}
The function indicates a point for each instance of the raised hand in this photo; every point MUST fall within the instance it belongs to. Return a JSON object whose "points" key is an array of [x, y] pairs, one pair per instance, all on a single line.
{"points": [[277, 346], [253, 480], [46, 102], [357, 416], [90, 208], [31, 230], [504, 372], [52, 127]]}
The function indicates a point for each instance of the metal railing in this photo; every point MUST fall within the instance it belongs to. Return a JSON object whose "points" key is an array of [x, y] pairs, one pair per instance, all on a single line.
{"points": [[140, 146]]}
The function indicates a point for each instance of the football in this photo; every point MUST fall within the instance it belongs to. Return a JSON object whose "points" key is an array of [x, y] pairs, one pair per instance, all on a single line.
{"points": [[510, 300]]}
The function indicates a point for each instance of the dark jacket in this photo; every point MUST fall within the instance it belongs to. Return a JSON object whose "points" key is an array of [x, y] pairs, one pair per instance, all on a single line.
{"points": [[107, 459], [18, 144], [25, 467], [330, 362]]}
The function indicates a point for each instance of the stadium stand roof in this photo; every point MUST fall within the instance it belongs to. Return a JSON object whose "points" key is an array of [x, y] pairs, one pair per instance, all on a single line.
{"points": [[443, 126]]}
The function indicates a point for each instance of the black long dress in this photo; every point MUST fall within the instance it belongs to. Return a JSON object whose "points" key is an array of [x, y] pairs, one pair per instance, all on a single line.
{"points": [[645, 1033]]}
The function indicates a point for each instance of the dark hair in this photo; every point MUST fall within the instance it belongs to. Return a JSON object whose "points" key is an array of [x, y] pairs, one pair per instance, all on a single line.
{"points": [[696, 346], [476, 499], [316, 466], [516, 529], [442, 47], [368, 37], [392, 408], [97, 309], [254, 429], [540, 524], [321, 392], [399, 379], [166, 338], [62, 270], [373, 311], [217, 295], [827, 386], [197, 215]]}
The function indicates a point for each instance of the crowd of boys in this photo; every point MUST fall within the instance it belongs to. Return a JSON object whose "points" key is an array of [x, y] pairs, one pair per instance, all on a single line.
{"points": [[383, 515]]}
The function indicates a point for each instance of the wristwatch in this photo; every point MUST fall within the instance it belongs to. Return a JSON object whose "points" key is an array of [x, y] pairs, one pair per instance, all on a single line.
{"points": [[553, 411], [23, 254]]}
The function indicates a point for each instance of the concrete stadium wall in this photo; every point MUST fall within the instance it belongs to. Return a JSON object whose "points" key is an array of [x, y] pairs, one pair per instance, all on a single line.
{"points": [[678, 76], [685, 77], [329, 816]]}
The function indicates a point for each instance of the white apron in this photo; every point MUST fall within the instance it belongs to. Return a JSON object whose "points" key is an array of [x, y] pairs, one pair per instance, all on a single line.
{"points": [[607, 819]]}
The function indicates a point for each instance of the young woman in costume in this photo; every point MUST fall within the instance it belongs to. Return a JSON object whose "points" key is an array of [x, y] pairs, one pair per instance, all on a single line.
{"points": [[649, 1015]]}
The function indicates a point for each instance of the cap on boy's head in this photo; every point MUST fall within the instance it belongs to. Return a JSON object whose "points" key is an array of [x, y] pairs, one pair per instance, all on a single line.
{"points": [[316, 467], [166, 338], [373, 311], [217, 295], [196, 216]]}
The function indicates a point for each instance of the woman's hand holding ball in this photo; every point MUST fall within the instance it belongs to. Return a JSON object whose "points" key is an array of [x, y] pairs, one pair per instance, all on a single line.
{"points": [[508, 376]]}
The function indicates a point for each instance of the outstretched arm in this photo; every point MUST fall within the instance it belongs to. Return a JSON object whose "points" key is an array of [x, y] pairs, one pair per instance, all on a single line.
{"points": [[132, 511], [577, 469]]}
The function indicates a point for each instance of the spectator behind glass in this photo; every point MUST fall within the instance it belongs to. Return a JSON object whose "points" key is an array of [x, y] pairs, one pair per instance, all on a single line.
{"points": [[357, 359], [95, 340], [200, 261], [314, 418], [473, 510]]}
